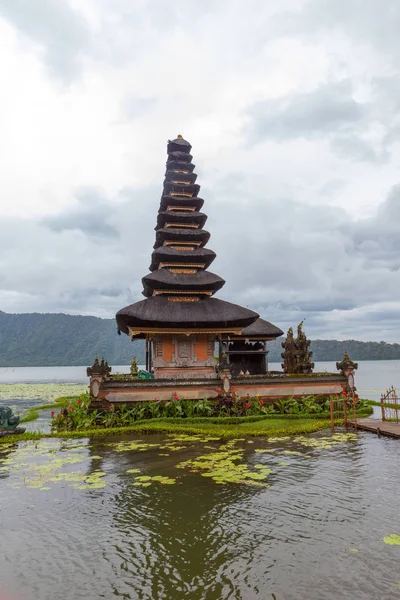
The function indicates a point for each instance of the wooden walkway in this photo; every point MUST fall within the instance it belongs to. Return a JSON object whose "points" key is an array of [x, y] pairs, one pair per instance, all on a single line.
{"points": [[377, 426]]}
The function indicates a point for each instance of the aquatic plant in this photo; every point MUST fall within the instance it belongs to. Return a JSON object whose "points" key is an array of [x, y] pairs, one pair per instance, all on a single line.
{"points": [[221, 467], [31, 415], [43, 391], [393, 539]]}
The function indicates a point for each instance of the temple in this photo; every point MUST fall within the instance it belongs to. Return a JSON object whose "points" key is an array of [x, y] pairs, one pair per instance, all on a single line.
{"points": [[180, 319], [198, 345]]}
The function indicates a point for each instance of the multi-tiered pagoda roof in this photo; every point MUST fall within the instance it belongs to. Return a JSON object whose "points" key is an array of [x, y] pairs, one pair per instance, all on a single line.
{"points": [[179, 289]]}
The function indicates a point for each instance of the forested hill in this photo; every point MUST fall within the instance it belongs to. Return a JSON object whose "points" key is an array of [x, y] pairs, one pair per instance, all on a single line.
{"points": [[28, 340], [63, 340], [333, 350]]}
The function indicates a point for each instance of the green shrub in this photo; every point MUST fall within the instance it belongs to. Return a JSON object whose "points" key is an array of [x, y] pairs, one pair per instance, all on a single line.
{"points": [[75, 413]]}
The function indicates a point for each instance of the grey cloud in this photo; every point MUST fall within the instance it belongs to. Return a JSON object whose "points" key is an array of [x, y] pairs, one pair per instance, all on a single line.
{"points": [[54, 25], [370, 23], [353, 146], [329, 113], [285, 260], [327, 109], [91, 216]]}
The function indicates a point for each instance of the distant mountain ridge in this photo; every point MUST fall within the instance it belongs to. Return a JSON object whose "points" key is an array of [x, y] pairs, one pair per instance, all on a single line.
{"points": [[50, 339]]}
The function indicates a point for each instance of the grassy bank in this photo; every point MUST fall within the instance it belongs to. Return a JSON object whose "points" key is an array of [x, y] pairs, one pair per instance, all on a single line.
{"points": [[221, 428], [78, 421]]}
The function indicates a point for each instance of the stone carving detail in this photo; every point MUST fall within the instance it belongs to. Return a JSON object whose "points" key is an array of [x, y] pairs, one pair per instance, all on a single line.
{"points": [[297, 354], [304, 354], [99, 369], [98, 372], [184, 355], [289, 354], [158, 360], [211, 361], [134, 369], [347, 367]]}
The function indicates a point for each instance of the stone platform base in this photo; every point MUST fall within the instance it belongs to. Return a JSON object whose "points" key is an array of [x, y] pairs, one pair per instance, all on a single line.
{"points": [[267, 387], [182, 373], [16, 431]]}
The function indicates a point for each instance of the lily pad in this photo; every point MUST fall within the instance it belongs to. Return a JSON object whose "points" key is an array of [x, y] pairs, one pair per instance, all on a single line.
{"points": [[393, 539]]}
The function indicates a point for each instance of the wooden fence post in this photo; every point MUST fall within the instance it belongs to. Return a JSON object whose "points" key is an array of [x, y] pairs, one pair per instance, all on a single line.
{"points": [[332, 418]]}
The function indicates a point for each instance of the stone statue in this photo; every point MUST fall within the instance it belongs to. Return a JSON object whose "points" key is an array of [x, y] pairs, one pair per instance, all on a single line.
{"points": [[101, 369], [304, 354], [289, 354], [8, 421], [297, 354], [134, 369]]}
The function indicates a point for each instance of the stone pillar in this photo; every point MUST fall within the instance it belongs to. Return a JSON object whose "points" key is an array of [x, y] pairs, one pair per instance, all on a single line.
{"points": [[225, 374], [98, 372], [347, 367]]}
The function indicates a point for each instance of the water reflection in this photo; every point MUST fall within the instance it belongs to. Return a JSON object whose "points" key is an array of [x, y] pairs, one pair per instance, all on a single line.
{"points": [[200, 540]]}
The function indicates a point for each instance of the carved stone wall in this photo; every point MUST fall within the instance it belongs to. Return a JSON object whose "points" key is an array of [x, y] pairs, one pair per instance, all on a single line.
{"points": [[183, 356]]}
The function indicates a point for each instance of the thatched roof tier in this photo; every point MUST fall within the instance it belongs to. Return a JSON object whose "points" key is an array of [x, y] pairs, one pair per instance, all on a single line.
{"points": [[160, 312], [178, 176], [169, 256], [189, 190], [179, 165], [179, 287], [197, 281], [262, 330], [180, 156], [182, 201], [178, 145], [198, 237], [186, 218]]}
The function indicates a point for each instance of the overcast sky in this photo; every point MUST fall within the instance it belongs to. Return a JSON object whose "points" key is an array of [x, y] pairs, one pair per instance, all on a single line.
{"points": [[292, 108]]}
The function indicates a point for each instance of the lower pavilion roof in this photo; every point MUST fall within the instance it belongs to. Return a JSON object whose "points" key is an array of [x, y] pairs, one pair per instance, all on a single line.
{"points": [[260, 330], [158, 312]]}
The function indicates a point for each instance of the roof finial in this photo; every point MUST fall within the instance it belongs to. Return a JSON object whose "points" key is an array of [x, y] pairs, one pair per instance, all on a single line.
{"points": [[179, 137]]}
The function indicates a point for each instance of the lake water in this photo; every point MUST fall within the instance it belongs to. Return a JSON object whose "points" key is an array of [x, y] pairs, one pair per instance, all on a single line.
{"points": [[372, 377], [315, 533], [79, 522]]}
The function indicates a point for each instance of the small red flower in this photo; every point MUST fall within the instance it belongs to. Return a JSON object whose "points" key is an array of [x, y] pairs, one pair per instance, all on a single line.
{"points": [[175, 397], [261, 401], [344, 393], [79, 401], [247, 404], [52, 413], [155, 399], [71, 408], [337, 395]]}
